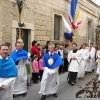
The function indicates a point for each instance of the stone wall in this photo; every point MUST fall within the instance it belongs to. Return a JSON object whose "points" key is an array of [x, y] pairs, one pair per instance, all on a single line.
{"points": [[89, 12], [38, 16], [44, 17], [5, 21]]}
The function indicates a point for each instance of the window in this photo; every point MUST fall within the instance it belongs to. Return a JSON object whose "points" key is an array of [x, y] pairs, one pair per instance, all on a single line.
{"points": [[57, 20], [90, 31]]}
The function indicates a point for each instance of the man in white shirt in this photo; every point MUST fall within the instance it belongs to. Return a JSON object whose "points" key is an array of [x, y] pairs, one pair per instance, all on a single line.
{"points": [[8, 73]]}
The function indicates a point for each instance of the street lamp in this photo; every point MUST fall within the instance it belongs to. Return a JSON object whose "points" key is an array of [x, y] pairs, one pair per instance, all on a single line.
{"points": [[20, 4]]}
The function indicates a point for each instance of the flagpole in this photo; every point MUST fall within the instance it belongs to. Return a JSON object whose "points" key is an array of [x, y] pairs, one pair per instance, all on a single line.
{"points": [[20, 4]]}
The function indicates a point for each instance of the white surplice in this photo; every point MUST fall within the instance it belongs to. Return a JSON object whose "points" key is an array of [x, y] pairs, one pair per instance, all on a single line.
{"points": [[20, 85], [84, 54], [91, 62], [74, 64], [98, 63], [7, 93], [50, 81]]}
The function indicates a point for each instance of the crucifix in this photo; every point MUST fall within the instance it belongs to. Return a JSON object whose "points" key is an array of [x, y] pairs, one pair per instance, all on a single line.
{"points": [[20, 4]]}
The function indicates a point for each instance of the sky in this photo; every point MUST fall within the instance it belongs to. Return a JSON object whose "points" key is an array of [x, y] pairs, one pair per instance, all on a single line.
{"points": [[96, 2]]}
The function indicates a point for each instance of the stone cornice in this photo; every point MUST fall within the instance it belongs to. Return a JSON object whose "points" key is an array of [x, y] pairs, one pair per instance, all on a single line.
{"points": [[92, 11], [88, 7], [94, 3]]}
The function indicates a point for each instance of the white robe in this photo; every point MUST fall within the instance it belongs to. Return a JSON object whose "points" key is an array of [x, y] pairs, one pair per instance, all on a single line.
{"points": [[7, 93], [20, 85], [98, 63], [49, 83], [91, 62], [84, 53], [73, 64]]}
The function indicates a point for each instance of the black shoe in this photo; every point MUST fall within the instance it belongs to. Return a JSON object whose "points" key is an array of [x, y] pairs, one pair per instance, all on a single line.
{"points": [[43, 97], [14, 96], [71, 83], [55, 95], [24, 94]]}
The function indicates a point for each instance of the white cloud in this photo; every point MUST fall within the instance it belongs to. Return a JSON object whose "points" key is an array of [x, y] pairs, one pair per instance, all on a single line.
{"points": [[96, 2]]}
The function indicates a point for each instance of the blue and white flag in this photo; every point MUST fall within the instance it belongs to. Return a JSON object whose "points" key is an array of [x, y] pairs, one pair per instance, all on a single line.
{"points": [[67, 26], [67, 29], [73, 8]]}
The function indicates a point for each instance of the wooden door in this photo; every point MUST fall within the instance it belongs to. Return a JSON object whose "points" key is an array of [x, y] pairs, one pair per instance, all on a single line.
{"points": [[24, 34], [25, 38]]}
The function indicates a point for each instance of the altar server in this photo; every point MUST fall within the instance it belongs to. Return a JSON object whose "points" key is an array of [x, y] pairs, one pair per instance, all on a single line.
{"points": [[49, 82], [74, 62], [84, 54]]}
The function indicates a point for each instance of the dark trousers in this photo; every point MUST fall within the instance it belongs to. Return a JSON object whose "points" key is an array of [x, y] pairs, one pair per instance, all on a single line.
{"points": [[72, 77], [41, 74], [61, 68], [35, 77], [65, 69]]}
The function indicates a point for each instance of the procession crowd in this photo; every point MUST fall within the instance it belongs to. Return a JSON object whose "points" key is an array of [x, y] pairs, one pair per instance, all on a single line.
{"points": [[20, 69]]}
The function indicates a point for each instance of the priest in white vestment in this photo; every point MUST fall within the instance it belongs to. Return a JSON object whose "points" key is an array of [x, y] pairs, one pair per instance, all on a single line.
{"points": [[91, 62], [84, 54], [98, 64]]}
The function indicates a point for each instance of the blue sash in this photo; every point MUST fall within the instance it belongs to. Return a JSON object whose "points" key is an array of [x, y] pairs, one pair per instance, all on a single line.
{"points": [[56, 58], [7, 68], [18, 55]]}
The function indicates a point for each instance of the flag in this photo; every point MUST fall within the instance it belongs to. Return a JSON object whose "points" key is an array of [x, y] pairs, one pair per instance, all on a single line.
{"points": [[76, 21], [68, 30], [68, 36], [75, 25], [73, 8], [67, 26], [77, 14]]}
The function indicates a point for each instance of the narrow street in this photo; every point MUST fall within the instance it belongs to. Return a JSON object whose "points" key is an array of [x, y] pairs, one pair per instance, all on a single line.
{"points": [[65, 91]]}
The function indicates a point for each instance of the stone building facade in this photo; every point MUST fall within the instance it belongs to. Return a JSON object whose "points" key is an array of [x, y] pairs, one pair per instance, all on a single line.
{"points": [[43, 21]]}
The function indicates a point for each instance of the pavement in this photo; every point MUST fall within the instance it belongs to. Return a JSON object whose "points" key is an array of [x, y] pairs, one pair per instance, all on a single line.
{"points": [[85, 89]]}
